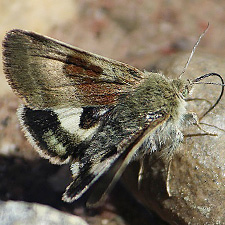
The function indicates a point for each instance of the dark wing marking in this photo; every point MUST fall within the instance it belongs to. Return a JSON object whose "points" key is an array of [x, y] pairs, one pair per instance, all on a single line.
{"points": [[57, 135], [92, 167], [91, 116], [47, 73]]}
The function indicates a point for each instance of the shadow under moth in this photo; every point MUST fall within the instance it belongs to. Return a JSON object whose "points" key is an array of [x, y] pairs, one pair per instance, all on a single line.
{"points": [[95, 113]]}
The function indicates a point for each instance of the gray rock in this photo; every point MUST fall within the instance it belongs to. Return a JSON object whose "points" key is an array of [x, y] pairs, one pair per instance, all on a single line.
{"points": [[22, 213]]}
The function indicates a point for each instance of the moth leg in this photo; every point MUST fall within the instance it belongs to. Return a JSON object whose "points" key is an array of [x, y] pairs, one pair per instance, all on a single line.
{"points": [[192, 119], [206, 132], [210, 125], [199, 99], [168, 179], [140, 173]]}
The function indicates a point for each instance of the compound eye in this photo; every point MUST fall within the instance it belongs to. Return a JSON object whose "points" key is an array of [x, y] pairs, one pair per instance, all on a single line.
{"points": [[185, 91]]}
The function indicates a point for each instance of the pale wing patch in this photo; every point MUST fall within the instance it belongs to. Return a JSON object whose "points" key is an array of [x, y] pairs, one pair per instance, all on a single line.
{"points": [[70, 120], [75, 168], [54, 143]]}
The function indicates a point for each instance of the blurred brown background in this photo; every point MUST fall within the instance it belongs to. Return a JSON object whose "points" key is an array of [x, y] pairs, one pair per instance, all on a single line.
{"points": [[138, 32]]}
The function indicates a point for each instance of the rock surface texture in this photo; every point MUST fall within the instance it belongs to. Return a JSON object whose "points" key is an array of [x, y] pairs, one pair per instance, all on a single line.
{"points": [[195, 191]]}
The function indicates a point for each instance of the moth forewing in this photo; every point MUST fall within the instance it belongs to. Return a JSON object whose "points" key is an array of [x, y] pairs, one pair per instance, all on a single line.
{"points": [[47, 73]]}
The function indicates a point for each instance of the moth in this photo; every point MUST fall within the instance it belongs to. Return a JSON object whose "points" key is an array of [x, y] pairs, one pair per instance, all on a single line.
{"points": [[95, 113]]}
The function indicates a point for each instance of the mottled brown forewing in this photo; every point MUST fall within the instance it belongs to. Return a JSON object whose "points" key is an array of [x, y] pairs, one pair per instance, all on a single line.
{"points": [[49, 74]]}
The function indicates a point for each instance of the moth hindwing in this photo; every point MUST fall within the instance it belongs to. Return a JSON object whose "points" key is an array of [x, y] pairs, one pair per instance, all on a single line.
{"points": [[92, 112]]}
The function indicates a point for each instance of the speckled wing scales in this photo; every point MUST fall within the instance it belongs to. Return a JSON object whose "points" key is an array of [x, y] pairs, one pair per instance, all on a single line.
{"points": [[47, 73], [106, 170]]}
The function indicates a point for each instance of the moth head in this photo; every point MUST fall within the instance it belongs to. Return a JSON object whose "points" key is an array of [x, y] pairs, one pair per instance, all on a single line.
{"points": [[183, 87]]}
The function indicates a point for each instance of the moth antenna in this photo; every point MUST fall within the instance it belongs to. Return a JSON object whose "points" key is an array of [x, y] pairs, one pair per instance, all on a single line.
{"points": [[196, 81], [193, 51]]}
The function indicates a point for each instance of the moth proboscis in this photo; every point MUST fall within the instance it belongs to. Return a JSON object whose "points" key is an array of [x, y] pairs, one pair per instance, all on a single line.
{"points": [[95, 113]]}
